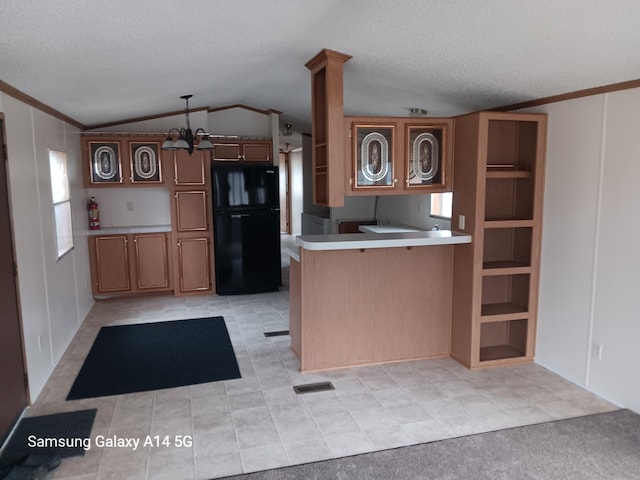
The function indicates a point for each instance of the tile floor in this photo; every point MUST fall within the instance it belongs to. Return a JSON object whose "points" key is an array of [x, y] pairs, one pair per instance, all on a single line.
{"points": [[257, 422]]}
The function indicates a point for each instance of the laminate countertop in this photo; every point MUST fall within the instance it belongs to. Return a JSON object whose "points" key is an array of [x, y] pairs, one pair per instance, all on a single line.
{"points": [[349, 241], [130, 229]]}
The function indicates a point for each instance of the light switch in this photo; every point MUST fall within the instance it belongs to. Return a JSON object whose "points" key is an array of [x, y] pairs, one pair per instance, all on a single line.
{"points": [[460, 222]]}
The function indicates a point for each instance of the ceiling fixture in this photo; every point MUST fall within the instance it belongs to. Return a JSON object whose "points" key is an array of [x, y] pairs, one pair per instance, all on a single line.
{"points": [[418, 112], [287, 131], [186, 137]]}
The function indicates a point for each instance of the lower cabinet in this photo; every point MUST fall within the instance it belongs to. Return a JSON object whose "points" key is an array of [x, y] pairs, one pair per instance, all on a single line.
{"points": [[193, 265], [130, 263], [151, 261]]}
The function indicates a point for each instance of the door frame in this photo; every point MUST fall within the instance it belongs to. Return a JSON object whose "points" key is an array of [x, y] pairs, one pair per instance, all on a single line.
{"points": [[284, 163], [4, 158]]}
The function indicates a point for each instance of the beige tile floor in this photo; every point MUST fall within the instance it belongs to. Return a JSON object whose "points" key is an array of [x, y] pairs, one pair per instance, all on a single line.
{"points": [[257, 422]]}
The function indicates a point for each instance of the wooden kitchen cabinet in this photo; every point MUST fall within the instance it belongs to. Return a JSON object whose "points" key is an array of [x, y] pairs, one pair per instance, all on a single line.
{"points": [[327, 135], [256, 152], [398, 155], [192, 212], [189, 170], [123, 160], [111, 271], [151, 261], [191, 224], [243, 151], [130, 263], [499, 171], [194, 272]]}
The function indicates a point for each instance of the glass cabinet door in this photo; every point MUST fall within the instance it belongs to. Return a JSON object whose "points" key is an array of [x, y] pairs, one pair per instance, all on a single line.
{"points": [[424, 162], [106, 165], [373, 155]]}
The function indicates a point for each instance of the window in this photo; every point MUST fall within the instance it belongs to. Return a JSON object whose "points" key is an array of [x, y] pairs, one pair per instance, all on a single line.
{"points": [[61, 199], [441, 205]]}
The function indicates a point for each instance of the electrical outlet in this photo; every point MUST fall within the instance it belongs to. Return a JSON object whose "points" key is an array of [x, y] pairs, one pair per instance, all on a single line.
{"points": [[596, 351], [129, 206], [461, 220], [39, 343]]}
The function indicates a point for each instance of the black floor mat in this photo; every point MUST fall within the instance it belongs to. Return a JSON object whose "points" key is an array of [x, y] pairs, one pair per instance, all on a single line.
{"points": [[61, 434], [153, 356]]}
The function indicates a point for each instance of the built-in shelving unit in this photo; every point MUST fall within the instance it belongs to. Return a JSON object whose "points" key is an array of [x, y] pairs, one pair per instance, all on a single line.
{"points": [[327, 137], [499, 171]]}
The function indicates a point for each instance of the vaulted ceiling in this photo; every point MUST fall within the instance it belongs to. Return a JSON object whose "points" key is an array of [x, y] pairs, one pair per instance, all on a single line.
{"points": [[100, 61]]}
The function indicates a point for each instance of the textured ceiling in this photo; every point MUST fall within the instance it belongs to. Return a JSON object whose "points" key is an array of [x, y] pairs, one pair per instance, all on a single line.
{"points": [[99, 61]]}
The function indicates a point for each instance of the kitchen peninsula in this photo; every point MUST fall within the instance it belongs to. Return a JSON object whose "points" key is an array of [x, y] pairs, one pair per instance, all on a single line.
{"points": [[358, 299]]}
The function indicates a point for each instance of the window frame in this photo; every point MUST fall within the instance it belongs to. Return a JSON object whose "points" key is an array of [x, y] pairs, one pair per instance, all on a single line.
{"points": [[440, 202], [61, 196]]}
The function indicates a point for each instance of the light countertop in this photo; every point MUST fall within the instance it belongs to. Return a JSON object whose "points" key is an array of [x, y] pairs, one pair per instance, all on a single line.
{"points": [[349, 241], [294, 253], [130, 229], [388, 229]]}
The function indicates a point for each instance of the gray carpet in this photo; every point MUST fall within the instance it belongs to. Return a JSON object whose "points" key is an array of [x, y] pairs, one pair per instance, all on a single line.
{"points": [[601, 446]]}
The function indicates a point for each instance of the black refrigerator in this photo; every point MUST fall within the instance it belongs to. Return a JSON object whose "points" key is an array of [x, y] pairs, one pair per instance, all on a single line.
{"points": [[246, 222]]}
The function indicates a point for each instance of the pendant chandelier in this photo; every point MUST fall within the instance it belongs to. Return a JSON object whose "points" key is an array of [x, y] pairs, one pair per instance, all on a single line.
{"points": [[186, 138]]}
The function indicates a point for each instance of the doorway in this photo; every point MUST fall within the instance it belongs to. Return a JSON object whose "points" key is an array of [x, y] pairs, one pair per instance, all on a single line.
{"points": [[285, 199], [13, 394]]}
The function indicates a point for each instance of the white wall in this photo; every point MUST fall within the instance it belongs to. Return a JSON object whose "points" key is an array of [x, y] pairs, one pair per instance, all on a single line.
{"points": [[242, 122], [296, 189], [150, 206], [355, 208], [409, 210], [163, 124], [590, 259], [54, 295]]}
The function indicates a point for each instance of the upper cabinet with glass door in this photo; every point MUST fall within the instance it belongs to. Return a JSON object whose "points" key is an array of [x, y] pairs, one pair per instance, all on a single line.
{"points": [[398, 155], [123, 160], [374, 156]]}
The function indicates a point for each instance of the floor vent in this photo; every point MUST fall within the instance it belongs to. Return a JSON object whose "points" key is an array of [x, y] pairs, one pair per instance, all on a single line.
{"points": [[279, 333], [313, 387]]}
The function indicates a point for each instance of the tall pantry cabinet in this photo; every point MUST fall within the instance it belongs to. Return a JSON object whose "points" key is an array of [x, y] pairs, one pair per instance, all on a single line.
{"points": [[191, 219], [499, 174]]}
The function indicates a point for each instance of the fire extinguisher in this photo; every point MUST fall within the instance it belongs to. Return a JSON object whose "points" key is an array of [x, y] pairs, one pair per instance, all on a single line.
{"points": [[94, 214]]}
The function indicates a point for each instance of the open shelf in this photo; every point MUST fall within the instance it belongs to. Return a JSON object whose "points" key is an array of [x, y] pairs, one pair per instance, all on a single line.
{"points": [[504, 295], [506, 248], [327, 141], [320, 192], [499, 170], [509, 199], [320, 106], [493, 312], [321, 156], [507, 172], [511, 145], [503, 340], [499, 352]]}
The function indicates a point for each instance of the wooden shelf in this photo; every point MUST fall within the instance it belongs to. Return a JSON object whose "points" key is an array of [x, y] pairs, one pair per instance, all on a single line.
{"points": [[501, 310], [507, 173], [327, 137], [512, 223], [499, 352], [506, 267], [499, 171]]}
